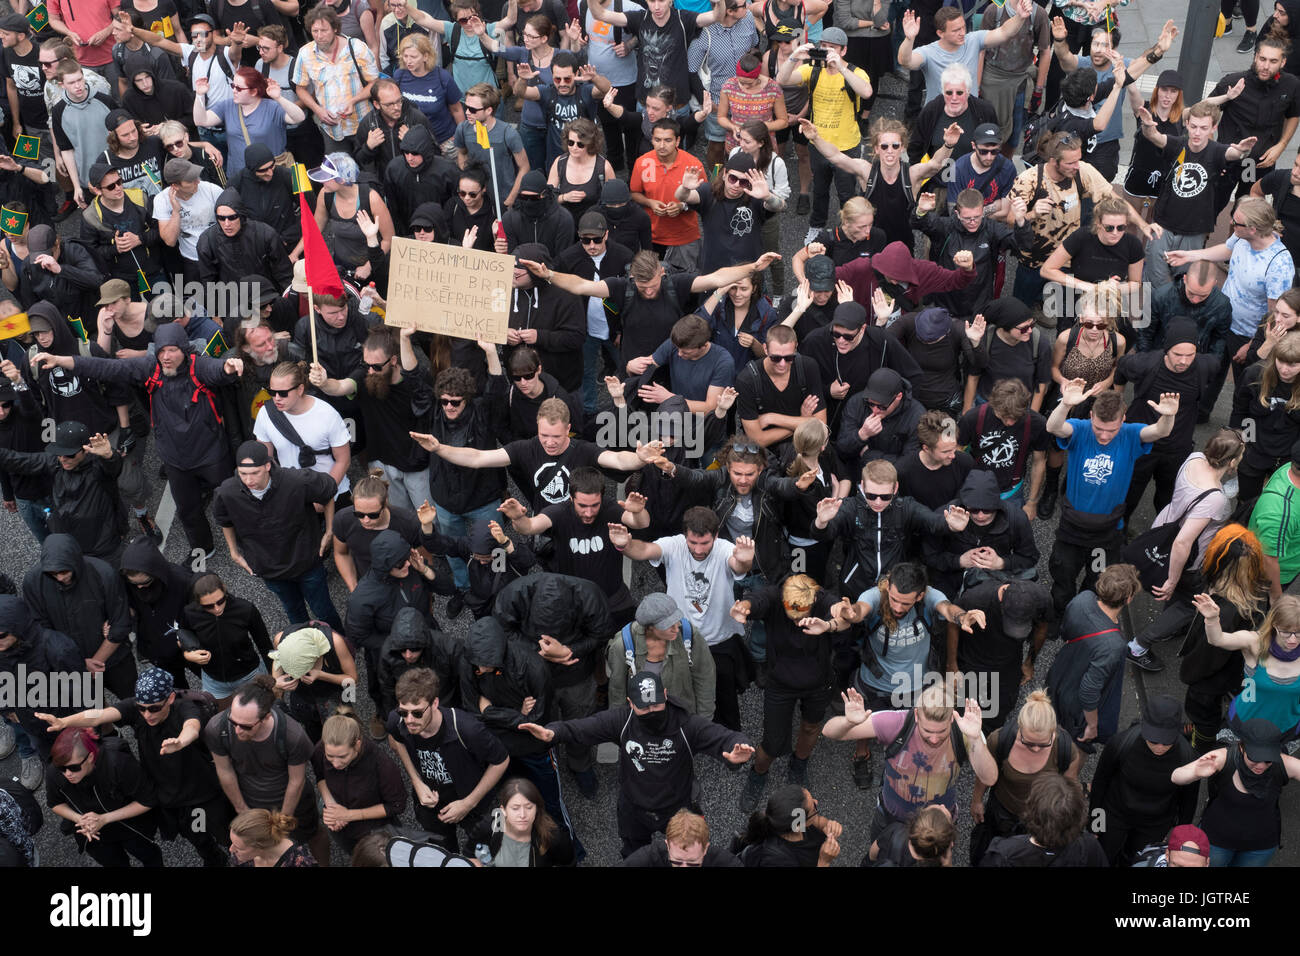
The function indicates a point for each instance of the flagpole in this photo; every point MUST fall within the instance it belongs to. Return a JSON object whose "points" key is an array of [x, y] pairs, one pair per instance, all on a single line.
{"points": [[311, 323]]}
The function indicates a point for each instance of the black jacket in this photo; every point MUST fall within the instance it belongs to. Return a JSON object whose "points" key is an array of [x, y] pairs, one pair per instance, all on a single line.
{"points": [[237, 639], [454, 488], [932, 115], [876, 542], [616, 261], [560, 320], [374, 605], [771, 552], [279, 535], [84, 502], [20, 431], [39, 651], [986, 245], [377, 159], [553, 228], [159, 605], [655, 772], [339, 349], [99, 224], [434, 180], [571, 610], [516, 673], [897, 434], [255, 250], [878, 349], [170, 98], [439, 652], [656, 855], [116, 781], [1009, 534], [71, 289], [1276, 427], [186, 429], [95, 596], [485, 582], [68, 396], [273, 203]]}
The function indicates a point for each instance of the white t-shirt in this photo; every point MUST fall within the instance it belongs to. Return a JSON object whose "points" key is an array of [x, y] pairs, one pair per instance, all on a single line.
{"points": [[320, 427], [704, 589], [210, 70], [197, 213]]}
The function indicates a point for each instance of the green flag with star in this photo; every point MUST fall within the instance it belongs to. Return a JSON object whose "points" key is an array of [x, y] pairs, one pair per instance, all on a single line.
{"points": [[12, 222], [27, 147], [39, 18]]}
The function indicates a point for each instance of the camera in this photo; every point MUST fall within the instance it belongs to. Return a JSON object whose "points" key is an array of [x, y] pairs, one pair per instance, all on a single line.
{"points": [[817, 54]]}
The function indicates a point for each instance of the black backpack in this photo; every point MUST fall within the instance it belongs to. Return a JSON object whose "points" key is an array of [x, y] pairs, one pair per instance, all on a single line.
{"points": [[306, 454], [280, 733], [895, 746], [1036, 127]]}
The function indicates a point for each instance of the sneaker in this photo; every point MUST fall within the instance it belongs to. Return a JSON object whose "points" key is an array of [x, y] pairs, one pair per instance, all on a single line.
{"points": [[587, 783], [1227, 27], [378, 730], [8, 739], [803, 205], [455, 606], [1145, 661], [32, 775], [755, 784], [797, 771], [862, 772], [1247, 42], [813, 233], [66, 210]]}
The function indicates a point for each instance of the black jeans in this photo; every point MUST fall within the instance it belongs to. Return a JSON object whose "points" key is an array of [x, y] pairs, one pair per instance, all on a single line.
{"points": [[188, 486], [205, 825], [1068, 560], [823, 175], [1123, 839], [1161, 465], [637, 826], [119, 852]]}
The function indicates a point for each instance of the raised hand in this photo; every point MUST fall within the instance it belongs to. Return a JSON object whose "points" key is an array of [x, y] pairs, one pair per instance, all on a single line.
{"points": [[426, 514], [971, 618], [828, 508], [952, 135], [427, 442], [619, 536], [808, 407], [964, 260], [969, 720], [634, 503], [648, 453], [1074, 392], [738, 754], [911, 25], [740, 611], [882, 305], [1058, 29], [1206, 605], [538, 731], [1168, 404], [691, 177], [512, 509], [855, 708], [727, 398], [99, 445], [976, 328], [843, 291], [498, 535], [925, 203], [744, 550], [957, 518], [1237, 88]]}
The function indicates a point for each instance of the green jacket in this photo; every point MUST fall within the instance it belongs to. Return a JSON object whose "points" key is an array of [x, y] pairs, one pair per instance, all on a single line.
{"points": [[689, 683]]}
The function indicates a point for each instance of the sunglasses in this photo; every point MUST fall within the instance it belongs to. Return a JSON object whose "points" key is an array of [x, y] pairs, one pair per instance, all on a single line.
{"points": [[591, 240], [1027, 327], [210, 605], [986, 152], [246, 728], [525, 376], [452, 402], [1092, 325], [463, 20], [416, 712], [781, 359], [877, 405], [411, 152], [221, 218], [468, 194], [283, 392], [577, 142], [75, 767], [150, 708], [473, 109], [1112, 228], [1239, 225], [874, 497], [737, 180], [117, 184], [380, 366], [955, 92], [263, 170], [175, 144], [746, 447], [890, 146], [241, 89], [200, 33], [369, 515], [983, 511]]}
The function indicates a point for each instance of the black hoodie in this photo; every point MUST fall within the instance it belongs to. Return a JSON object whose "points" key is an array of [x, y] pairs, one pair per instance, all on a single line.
{"points": [[440, 653], [558, 317], [157, 606], [255, 250], [170, 98], [20, 431], [67, 396], [434, 180], [379, 158], [897, 436], [272, 203], [516, 673], [37, 650], [80, 609], [571, 610], [73, 289], [485, 583], [373, 606], [237, 638], [84, 502], [1008, 534], [539, 220]]}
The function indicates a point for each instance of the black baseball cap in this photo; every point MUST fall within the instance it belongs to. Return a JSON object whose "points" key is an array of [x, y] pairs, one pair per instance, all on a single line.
{"points": [[987, 134], [883, 385], [1020, 606], [1162, 723]]}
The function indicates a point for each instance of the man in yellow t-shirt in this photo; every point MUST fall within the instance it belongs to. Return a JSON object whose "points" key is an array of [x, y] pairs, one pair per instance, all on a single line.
{"points": [[837, 91]]}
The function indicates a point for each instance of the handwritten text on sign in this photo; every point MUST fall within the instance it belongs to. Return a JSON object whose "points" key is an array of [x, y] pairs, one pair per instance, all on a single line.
{"points": [[452, 291]]}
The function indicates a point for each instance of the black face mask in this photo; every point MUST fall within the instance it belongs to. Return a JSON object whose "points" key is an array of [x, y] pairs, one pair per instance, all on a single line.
{"points": [[655, 721], [615, 213], [533, 208]]}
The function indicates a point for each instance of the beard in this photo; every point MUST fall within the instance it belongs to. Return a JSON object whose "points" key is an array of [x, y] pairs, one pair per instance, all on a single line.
{"points": [[263, 359], [378, 385], [169, 372]]}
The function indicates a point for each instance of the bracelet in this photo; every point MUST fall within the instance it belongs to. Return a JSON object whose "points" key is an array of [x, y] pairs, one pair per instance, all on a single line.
{"points": [[1154, 56]]}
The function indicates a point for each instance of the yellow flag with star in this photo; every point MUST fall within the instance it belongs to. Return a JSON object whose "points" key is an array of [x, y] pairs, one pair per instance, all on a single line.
{"points": [[14, 325]]}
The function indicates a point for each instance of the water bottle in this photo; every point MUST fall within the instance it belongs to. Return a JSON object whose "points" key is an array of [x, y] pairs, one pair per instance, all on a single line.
{"points": [[367, 297], [1230, 488], [483, 853]]}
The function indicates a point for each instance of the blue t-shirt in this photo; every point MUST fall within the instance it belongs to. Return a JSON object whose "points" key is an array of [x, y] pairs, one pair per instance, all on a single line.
{"points": [[432, 94], [532, 115], [1099, 474], [692, 378], [265, 125], [905, 660], [994, 184], [470, 61], [1254, 277]]}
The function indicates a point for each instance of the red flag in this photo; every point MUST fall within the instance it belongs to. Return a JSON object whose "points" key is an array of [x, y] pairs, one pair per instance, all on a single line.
{"points": [[322, 275]]}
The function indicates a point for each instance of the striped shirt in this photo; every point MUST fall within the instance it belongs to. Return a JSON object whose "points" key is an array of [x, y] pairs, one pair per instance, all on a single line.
{"points": [[722, 47], [1276, 522], [335, 82]]}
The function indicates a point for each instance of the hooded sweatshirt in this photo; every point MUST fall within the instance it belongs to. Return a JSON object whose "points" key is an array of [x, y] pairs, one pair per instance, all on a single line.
{"points": [[20, 431], [272, 203], [38, 650], [187, 427], [571, 610], [897, 433], [538, 220], [558, 317], [373, 606], [1008, 534], [391, 148], [434, 180], [170, 98], [410, 632], [158, 605], [80, 127], [484, 581], [255, 250], [68, 396], [72, 289], [906, 279], [80, 608], [515, 674]]}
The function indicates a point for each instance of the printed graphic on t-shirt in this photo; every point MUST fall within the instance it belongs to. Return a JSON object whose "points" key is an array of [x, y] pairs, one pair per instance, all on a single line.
{"points": [[552, 481], [1190, 179], [998, 448], [432, 767], [698, 587], [65, 383], [1098, 468], [649, 754], [742, 223], [593, 545]]}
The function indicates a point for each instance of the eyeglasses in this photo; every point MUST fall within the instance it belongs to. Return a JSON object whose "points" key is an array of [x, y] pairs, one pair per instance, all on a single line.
{"points": [[890, 146], [524, 376], [175, 144], [231, 218], [378, 366], [283, 392], [75, 767], [1106, 228], [780, 359], [246, 728], [150, 708], [452, 402], [213, 604], [870, 496], [463, 20], [416, 712], [469, 194], [746, 447], [369, 515], [391, 103], [1239, 225], [591, 240], [577, 142], [1033, 748], [1092, 325], [1286, 635], [532, 36]]}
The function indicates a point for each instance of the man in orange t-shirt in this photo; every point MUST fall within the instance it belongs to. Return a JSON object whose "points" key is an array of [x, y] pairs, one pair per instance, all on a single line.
{"points": [[674, 227]]}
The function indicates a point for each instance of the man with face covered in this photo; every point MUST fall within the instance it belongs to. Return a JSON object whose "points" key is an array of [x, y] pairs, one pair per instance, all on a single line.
{"points": [[188, 431], [417, 174], [536, 218], [545, 316], [629, 224], [236, 247], [26, 643], [267, 192]]}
